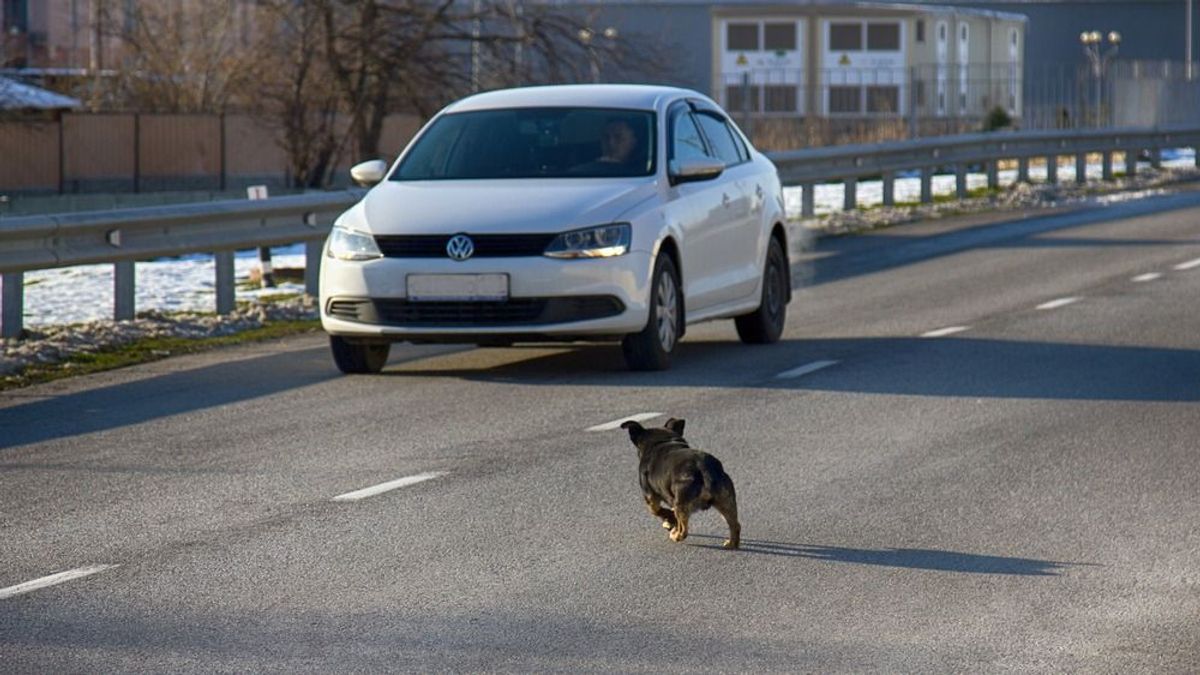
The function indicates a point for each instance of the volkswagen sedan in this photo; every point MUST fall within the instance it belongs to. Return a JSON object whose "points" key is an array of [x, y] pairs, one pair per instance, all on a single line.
{"points": [[564, 213]]}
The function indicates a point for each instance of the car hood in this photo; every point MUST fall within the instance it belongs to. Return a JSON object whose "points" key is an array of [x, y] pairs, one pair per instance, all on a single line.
{"points": [[481, 206]]}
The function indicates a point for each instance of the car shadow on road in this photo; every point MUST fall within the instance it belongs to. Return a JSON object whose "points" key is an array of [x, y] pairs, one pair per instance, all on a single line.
{"points": [[945, 367], [908, 558]]}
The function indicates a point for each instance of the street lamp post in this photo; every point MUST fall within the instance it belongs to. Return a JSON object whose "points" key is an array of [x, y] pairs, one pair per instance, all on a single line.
{"points": [[1091, 41], [588, 36]]}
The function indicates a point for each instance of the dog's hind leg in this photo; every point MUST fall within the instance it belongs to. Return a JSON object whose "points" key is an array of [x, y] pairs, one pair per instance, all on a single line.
{"points": [[657, 510], [680, 531], [725, 502]]}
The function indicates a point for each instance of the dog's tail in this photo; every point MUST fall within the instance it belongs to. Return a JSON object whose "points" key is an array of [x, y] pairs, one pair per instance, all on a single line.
{"points": [[717, 483]]}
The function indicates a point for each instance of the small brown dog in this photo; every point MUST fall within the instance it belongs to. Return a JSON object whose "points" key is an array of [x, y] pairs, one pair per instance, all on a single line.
{"points": [[687, 479]]}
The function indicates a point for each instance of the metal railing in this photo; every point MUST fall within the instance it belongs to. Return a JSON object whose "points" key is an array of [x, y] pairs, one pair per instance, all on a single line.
{"points": [[122, 237], [957, 154]]}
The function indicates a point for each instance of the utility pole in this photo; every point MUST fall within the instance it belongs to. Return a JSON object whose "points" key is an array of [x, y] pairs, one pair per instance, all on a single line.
{"points": [[1187, 45], [96, 48]]}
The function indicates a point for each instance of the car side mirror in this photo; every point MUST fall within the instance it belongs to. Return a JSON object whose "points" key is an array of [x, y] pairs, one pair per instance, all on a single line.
{"points": [[369, 173], [696, 169]]}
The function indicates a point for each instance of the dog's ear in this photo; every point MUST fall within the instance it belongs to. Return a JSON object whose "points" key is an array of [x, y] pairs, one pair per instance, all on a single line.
{"points": [[675, 425], [636, 431]]}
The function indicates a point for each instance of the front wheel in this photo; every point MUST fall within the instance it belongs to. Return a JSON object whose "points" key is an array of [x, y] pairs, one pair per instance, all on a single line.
{"points": [[765, 324], [356, 358], [651, 348]]}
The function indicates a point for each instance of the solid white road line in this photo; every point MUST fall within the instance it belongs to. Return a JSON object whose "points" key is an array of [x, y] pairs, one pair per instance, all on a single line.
{"points": [[948, 330], [1148, 276], [390, 485], [804, 370], [1055, 304], [616, 424], [1188, 265], [53, 579]]}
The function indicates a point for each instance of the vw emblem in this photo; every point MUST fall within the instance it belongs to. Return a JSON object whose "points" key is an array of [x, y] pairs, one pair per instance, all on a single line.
{"points": [[460, 247]]}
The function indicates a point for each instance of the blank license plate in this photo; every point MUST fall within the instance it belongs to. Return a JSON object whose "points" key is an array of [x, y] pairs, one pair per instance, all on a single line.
{"points": [[460, 287]]}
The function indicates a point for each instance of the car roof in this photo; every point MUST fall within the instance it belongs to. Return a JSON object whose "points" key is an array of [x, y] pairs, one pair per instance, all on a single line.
{"points": [[629, 96]]}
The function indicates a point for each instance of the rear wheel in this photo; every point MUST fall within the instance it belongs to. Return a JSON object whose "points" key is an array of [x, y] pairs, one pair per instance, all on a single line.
{"points": [[651, 348], [353, 358], [765, 324]]}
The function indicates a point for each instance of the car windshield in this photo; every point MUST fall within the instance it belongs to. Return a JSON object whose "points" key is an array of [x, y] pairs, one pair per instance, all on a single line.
{"points": [[533, 143]]}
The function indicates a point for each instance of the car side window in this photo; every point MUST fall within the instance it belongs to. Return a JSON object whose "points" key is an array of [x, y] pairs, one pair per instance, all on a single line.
{"points": [[721, 138], [686, 142]]}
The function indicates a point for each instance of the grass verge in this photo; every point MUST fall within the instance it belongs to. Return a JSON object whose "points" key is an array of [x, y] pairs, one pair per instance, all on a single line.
{"points": [[150, 349]]}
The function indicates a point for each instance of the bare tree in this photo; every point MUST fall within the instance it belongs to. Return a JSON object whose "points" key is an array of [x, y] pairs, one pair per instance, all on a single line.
{"points": [[418, 55], [191, 56], [295, 93]]}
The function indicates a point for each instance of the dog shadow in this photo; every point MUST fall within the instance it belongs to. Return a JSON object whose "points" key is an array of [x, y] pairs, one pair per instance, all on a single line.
{"points": [[908, 558]]}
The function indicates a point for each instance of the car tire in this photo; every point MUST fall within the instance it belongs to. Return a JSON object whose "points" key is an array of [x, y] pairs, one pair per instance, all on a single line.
{"points": [[765, 324], [357, 358], [651, 349]]}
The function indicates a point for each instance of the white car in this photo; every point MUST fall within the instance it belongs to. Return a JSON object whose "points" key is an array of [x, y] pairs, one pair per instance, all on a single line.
{"points": [[564, 213]]}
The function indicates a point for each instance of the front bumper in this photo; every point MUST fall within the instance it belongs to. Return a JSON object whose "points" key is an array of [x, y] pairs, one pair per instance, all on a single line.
{"points": [[548, 298]]}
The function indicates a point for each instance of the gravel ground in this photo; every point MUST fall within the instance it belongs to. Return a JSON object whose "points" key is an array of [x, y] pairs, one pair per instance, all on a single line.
{"points": [[50, 345]]}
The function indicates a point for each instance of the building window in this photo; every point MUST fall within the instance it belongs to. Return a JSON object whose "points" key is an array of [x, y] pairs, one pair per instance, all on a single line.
{"points": [[920, 30], [741, 99], [845, 37], [779, 98], [942, 32], [14, 15], [741, 37], [919, 93], [883, 37], [779, 37], [962, 33], [845, 100], [883, 100]]}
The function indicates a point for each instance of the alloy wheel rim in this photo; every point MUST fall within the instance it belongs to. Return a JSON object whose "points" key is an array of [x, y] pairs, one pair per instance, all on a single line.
{"points": [[667, 311]]}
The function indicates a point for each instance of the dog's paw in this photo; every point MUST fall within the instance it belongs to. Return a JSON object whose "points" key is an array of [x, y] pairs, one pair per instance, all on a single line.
{"points": [[678, 535], [668, 525], [730, 544]]}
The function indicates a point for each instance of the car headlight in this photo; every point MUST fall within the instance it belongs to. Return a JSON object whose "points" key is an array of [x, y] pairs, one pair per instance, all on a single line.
{"points": [[346, 244], [605, 241]]}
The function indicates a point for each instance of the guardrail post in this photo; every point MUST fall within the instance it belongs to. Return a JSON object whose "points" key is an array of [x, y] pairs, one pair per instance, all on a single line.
{"points": [[926, 184], [225, 287], [960, 181], [889, 189], [1081, 168], [123, 290], [312, 266], [1106, 165], [850, 200], [993, 174], [808, 200], [1023, 170], [1156, 158], [12, 304], [1052, 169], [1131, 160]]}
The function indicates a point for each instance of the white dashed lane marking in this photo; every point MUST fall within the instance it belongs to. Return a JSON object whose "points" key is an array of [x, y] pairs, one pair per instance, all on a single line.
{"points": [[804, 370], [388, 486], [616, 424], [1055, 304], [1148, 276], [948, 330], [1188, 265], [53, 579]]}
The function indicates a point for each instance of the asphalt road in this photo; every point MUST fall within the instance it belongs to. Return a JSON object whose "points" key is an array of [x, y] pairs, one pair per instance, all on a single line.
{"points": [[1015, 492]]}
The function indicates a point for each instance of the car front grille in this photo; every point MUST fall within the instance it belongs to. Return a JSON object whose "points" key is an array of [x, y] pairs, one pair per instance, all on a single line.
{"points": [[486, 245], [404, 313]]}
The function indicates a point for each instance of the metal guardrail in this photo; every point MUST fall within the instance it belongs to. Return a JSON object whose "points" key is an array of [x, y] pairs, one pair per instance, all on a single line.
{"points": [[849, 163], [124, 236]]}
